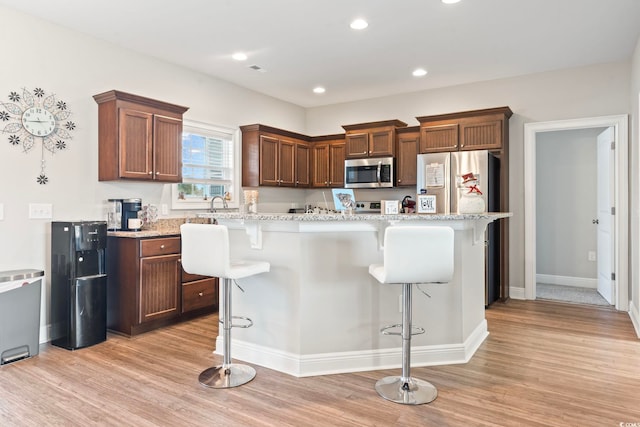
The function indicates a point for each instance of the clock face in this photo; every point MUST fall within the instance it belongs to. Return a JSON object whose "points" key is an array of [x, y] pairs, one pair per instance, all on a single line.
{"points": [[38, 121]]}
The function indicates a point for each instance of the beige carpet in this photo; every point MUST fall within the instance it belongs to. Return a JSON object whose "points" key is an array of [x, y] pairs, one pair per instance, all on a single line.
{"points": [[572, 294]]}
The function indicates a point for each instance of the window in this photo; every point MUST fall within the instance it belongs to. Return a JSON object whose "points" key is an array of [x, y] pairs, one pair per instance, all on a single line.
{"points": [[209, 166]]}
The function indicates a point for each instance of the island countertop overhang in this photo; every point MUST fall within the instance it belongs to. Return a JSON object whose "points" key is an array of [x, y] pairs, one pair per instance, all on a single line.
{"points": [[491, 216]]}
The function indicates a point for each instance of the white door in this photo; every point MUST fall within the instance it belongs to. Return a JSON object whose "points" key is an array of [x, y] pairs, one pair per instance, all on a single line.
{"points": [[604, 222]]}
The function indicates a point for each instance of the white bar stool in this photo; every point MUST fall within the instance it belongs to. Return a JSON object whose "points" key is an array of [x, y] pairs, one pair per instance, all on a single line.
{"points": [[205, 251], [412, 254]]}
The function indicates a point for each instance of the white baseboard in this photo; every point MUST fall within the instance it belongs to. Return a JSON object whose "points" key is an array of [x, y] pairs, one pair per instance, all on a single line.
{"points": [[581, 282], [45, 334], [516, 293], [355, 361], [634, 314]]}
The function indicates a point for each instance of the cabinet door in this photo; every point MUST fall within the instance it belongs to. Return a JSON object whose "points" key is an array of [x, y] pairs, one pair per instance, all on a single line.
{"points": [[268, 160], [320, 165], [382, 143], [159, 287], [303, 177], [357, 145], [287, 163], [407, 159], [481, 134], [435, 139], [136, 144], [167, 149], [336, 164]]}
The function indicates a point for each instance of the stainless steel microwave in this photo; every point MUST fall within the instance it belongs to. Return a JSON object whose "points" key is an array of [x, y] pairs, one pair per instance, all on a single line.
{"points": [[369, 173]]}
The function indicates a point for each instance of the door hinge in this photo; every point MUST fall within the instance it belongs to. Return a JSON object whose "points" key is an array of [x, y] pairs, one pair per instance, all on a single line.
{"points": [[613, 145], [613, 210], [613, 276]]}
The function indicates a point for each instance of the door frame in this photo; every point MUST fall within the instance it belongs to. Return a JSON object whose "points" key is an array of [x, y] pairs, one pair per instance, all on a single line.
{"points": [[620, 123]]}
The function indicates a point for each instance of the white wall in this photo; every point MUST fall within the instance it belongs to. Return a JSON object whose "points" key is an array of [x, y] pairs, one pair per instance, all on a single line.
{"points": [[634, 188], [599, 90], [566, 182], [75, 68]]}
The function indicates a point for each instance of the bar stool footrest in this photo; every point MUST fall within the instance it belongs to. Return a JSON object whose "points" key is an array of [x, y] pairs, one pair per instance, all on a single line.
{"points": [[415, 330], [227, 376], [235, 325]]}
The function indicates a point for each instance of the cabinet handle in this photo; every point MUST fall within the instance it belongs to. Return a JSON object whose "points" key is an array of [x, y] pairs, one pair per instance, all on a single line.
{"points": [[150, 173], [200, 294], [161, 246]]}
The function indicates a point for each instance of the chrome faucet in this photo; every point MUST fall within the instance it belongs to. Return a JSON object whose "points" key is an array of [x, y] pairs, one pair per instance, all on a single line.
{"points": [[224, 203]]}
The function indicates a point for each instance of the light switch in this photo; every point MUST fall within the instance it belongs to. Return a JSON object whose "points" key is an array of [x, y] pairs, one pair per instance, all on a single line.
{"points": [[40, 211], [1, 211]]}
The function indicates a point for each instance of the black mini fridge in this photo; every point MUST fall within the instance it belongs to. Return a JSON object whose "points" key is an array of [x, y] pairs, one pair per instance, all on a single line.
{"points": [[78, 283]]}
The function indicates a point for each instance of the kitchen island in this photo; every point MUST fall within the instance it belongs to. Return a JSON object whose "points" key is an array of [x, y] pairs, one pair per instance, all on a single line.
{"points": [[318, 311]]}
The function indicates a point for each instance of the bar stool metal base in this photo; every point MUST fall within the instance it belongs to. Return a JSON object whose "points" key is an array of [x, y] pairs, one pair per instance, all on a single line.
{"points": [[411, 392], [227, 376]]}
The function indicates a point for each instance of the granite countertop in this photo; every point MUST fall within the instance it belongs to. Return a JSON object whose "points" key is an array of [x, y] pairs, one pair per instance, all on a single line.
{"points": [[171, 226], [355, 217], [165, 227]]}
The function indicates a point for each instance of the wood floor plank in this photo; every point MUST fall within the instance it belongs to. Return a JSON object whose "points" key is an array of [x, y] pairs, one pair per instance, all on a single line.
{"points": [[543, 364]]}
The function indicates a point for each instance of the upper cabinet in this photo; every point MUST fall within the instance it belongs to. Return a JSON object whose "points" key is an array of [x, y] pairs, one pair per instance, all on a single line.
{"points": [[274, 157], [138, 138], [406, 157], [327, 161], [468, 130], [374, 139]]}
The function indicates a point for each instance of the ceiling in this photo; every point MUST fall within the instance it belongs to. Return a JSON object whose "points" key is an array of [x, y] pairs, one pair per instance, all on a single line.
{"points": [[300, 44]]}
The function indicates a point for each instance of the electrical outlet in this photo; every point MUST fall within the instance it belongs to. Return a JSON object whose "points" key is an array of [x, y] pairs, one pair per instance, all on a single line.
{"points": [[164, 209], [40, 211], [591, 255], [1, 211]]}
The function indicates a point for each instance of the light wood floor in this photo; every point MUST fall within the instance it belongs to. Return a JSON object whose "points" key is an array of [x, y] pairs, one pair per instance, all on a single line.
{"points": [[544, 364]]}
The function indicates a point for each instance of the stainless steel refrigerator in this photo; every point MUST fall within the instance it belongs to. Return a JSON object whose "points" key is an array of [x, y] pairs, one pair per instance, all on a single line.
{"points": [[441, 174]]}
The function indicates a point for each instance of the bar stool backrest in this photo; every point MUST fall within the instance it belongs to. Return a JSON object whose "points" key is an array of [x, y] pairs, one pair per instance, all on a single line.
{"points": [[418, 254], [205, 249]]}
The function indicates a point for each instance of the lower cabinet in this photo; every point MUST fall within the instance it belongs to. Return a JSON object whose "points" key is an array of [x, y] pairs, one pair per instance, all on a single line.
{"points": [[147, 287], [198, 292]]}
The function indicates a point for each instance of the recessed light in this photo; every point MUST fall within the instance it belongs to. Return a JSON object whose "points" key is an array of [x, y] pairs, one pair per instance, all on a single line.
{"points": [[450, 1], [359, 24], [419, 72], [239, 56], [319, 89]]}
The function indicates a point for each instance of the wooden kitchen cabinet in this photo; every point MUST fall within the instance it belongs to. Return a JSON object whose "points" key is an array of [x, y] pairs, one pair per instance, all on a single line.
{"points": [[468, 130], [198, 292], [303, 164], [145, 288], [274, 157], [327, 159], [138, 138], [406, 158], [375, 139]]}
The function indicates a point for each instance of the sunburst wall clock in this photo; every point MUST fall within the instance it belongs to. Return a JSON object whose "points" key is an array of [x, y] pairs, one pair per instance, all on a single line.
{"points": [[36, 116]]}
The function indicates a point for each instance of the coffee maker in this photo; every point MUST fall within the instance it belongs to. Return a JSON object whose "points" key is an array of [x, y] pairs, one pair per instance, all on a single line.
{"points": [[130, 209]]}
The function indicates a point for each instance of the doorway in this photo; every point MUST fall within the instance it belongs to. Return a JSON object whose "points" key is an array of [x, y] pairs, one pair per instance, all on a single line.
{"points": [[619, 226], [570, 253]]}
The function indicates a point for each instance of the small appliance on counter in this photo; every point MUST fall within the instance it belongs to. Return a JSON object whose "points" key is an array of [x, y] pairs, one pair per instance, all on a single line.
{"points": [[130, 209], [114, 214]]}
